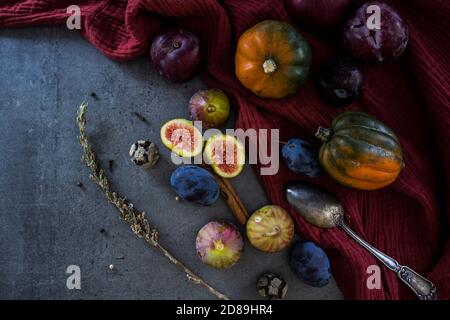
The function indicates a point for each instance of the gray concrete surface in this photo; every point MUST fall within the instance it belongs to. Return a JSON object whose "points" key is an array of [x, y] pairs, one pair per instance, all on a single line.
{"points": [[47, 223]]}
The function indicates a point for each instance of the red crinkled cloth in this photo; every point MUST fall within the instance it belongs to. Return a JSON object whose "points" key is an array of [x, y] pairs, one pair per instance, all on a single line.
{"points": [[408, 220]]}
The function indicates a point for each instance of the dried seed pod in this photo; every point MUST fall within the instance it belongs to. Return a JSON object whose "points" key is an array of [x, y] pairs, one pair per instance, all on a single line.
{"points": [[271, 286], [144, 153]]}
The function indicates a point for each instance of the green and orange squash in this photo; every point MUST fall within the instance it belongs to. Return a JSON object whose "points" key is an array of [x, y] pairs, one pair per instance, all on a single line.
{"points": [[272, 59], [360, 152]]}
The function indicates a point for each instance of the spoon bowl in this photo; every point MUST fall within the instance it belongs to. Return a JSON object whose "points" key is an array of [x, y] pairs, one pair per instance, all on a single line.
{"points": [[316, 206]]}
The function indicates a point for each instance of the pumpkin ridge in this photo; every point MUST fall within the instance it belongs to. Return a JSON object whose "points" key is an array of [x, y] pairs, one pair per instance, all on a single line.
{"points": [[335, 154], [284, 74], [306, 62], [346, 180], [339, 173], [367, 163], [245, 54], [377, 125], [392, 136], [389, 143], [393, 157], [294, 42]]}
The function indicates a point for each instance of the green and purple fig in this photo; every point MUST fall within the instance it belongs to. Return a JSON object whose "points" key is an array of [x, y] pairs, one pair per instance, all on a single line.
{"points": [[219, 244], [212, 107]]}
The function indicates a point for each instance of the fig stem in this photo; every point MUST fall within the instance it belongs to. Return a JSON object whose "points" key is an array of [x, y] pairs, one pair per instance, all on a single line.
{"points": [[218, 245], [176, 45], [323, 134], [275, 231], [211, 109], [269, 66]]}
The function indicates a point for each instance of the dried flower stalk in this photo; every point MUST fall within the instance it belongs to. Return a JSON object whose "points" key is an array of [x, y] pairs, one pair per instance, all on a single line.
{"points": [[140, 225]]}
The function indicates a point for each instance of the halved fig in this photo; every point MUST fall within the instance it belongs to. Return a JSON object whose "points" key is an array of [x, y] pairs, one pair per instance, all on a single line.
{"points": [[225, 154], [182, 137]]}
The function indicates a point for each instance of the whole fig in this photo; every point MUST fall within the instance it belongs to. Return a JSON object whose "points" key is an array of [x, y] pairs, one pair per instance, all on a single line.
{"points": [[219, 244]]}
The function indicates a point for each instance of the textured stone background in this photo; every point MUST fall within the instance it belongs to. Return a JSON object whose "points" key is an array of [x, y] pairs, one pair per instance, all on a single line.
{"points": [[48, 223]]}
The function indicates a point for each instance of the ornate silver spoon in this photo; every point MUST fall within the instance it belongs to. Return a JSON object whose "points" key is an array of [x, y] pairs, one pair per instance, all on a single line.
{"points": [[323, 210]]}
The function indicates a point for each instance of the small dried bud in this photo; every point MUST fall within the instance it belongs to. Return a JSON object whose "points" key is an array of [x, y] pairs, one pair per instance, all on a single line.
{"points": [[271, 286], [144, 153]]}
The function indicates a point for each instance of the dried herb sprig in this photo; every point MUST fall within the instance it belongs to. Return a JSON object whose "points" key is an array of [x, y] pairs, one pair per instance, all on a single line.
{"points": [[140, 225]]}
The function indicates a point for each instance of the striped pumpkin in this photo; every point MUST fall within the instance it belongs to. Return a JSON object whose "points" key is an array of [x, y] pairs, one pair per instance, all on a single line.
{"points": [[272, 59], [360, 152]]}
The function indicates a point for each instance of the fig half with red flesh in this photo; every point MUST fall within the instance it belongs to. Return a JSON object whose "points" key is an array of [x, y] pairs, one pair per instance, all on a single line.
{"points": [[182, 137], [225, 154]]}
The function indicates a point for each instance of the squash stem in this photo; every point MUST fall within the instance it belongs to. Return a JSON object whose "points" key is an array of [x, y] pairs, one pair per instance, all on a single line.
{"points": [[323, 134], [269, 66]]}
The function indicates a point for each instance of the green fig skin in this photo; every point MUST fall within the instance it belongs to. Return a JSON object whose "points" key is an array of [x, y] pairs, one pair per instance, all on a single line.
{"points": [[212, 107]]}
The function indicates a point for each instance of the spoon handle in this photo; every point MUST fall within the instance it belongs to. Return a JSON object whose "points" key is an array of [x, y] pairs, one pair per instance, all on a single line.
{"points": [[422, 287]]}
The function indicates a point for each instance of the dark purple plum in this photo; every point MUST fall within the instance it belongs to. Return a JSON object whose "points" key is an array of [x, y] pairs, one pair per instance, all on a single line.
{"points": [[311, 264], [195, 184], [386, 43], [299, 157], [340, 81], [176, 54]]}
